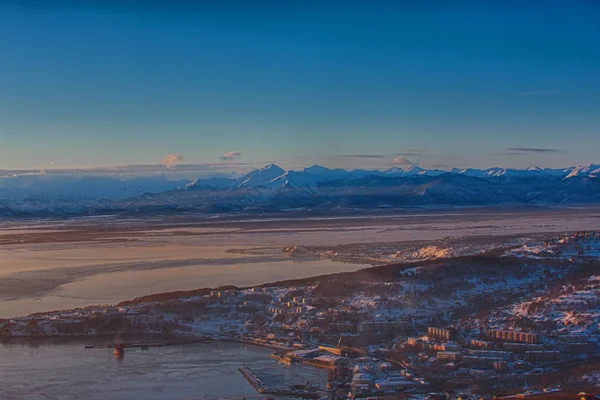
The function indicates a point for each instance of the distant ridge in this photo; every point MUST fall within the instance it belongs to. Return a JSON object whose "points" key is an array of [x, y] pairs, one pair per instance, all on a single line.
{"points": [[314, 187]]}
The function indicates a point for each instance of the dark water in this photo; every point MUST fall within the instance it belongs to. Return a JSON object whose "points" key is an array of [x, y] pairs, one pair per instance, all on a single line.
{"points": [[50, 370]]}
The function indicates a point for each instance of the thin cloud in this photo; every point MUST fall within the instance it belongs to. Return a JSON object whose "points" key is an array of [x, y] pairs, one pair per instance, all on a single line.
{"points": [[534, 150], [402, 161], [508, 153], [171, 160], [232, 155], [408, 154], [371, 156], [411, 152]]}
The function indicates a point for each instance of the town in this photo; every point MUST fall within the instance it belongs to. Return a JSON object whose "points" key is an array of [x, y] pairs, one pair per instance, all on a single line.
{"points": [[525, 322]]}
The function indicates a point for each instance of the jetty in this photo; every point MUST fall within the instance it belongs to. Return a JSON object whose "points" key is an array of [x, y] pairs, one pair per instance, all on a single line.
{"points": [[146, 345], [256, 383], [302, 391], [133, 345]]}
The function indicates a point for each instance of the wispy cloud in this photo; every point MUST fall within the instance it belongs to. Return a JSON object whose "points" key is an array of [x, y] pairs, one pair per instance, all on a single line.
{"points": [[373, 156], [508, 153], [402, 161], [232, 155], [171, 160], [535, 150], [411, 152]]}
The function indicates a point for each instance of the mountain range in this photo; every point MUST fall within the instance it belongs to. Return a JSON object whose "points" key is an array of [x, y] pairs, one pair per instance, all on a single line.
{"points": [[273, 188]]}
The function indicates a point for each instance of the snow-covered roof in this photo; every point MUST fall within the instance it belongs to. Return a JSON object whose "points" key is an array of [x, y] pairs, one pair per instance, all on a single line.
{"points": [[327, 358]]}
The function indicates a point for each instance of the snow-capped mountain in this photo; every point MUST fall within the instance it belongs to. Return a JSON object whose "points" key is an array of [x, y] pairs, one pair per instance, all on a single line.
{"points": [[216, 183], [323, 174], [260, 177], [591, 170], [273, 188], [412, 170], [514, 173], [319, 187]]}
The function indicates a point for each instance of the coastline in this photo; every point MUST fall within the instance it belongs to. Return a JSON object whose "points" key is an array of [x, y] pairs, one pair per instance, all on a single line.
{"points": [[185, 338]]}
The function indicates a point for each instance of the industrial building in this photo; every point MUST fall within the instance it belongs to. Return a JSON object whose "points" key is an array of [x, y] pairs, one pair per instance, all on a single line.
{"points": [[331, 360], [395, 385], [332, 350]]}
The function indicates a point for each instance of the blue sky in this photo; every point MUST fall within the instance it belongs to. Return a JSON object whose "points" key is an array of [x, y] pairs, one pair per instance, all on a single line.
{"points": [[343, 84]]}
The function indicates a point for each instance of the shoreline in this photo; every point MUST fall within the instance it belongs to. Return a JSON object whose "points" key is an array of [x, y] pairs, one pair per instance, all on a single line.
{"points": [[193, 339], [211, 217]]}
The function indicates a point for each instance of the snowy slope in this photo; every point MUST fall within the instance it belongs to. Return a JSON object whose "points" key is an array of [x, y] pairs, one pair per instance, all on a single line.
{"points": [[591, 170], [272, 187], [260, 177]]}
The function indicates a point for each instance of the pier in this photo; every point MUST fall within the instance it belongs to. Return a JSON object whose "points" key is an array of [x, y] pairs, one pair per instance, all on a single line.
{"points": [[142, 345], [256, 383], [302, 391]]}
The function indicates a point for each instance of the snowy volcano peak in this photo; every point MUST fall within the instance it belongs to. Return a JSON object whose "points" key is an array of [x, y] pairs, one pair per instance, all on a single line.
{"points": [[410, 170], [260, 177], [394, 171], [413, 170], [272, 168]]}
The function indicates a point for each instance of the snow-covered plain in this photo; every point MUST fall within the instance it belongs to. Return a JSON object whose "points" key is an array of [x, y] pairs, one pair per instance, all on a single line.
{"points": [[47, 265]]}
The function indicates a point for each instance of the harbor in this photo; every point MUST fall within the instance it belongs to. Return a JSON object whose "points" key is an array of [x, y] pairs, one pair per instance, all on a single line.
{"points": [[283, 355], [302, 391], [66, 369]]}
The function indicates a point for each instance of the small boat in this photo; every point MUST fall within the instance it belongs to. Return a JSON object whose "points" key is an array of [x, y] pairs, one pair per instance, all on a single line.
{"points": [[119, 347]]}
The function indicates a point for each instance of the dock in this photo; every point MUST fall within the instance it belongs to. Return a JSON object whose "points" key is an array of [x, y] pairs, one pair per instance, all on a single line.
{"points": [[132, 345], [146, 345], [260, 387], [256, 383]]}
